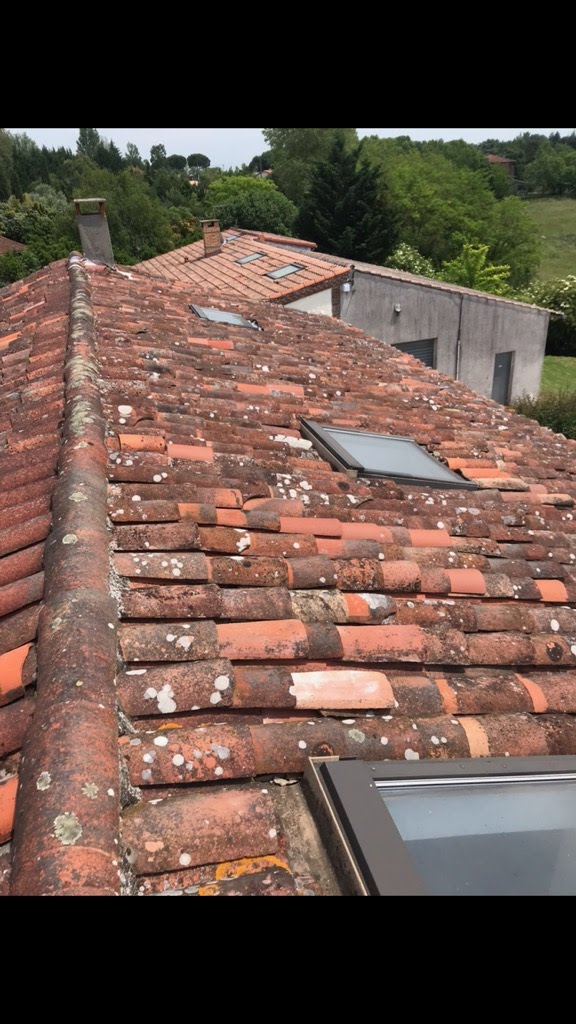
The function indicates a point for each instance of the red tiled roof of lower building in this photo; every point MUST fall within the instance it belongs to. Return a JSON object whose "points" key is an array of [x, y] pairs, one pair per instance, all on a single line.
{"points": [[8, 245], [222, 273], [256, 607]]}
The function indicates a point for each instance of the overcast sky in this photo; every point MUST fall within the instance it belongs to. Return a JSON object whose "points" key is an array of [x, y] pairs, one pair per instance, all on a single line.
{"points": [[231, 146]]}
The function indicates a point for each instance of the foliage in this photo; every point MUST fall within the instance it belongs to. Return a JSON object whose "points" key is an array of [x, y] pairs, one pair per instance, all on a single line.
{"points": [[177, 163], [513, 239], [88, 142], [560, 296], [133, 155], [250, 203], [553, 172], [6, 164], [411, 261], [472, 269], [158, 157], [198, 162], [345, 211], [554, 409], [296, 151]]}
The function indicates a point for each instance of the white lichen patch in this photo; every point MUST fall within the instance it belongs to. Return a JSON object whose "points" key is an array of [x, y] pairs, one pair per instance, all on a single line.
{"points": [[357, 736], [185, 860], [222, 684], [166, 703], [70, 539], [44, 782], [185, 642], [222, 753], [411, 755], [298, 443], [67, 829], [161, 741], [90, 791]]}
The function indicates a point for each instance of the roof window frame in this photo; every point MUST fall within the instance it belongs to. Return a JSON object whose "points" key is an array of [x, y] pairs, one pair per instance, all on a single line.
{"points": [[242, 322], [365, 845], [288, 270], [341, 459], [252, 258]]}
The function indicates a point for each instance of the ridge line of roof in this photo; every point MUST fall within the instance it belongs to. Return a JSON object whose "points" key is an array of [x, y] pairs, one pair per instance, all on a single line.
{"points": [[66, 838]]}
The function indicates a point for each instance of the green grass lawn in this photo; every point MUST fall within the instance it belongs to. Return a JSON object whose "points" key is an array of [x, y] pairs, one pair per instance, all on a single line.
{"points": [[559, 374], [556, 219]]}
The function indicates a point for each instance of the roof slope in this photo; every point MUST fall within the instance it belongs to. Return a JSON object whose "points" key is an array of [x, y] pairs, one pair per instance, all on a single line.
{"points": [[222, 273], [8, 245], [391, 274], [269, 608]]}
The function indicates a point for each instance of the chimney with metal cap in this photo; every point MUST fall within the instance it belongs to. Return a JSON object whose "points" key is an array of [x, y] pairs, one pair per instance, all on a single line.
{"points": [[212, 237], [94, 231]]}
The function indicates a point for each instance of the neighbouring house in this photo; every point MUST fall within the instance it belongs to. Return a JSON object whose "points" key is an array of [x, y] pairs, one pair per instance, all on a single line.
{"points": [[502, 161], [494, 345], [8, 245], [254, 265], [253, 546]]}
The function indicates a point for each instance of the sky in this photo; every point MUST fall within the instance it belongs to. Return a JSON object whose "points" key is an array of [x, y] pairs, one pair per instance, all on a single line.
{"points": [[232, 146]]}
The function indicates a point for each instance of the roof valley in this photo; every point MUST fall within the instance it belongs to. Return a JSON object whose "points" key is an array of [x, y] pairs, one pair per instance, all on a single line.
{"points": [[67, 820]]}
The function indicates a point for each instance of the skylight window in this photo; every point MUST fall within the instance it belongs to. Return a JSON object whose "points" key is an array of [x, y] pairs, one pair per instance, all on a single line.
{"points": [[217, 316], [252, 258], [291, 268], [380, 455], [450, 828]]}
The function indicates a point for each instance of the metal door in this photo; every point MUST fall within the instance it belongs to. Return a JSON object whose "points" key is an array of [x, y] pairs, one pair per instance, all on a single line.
{"points": [[503, 377]]}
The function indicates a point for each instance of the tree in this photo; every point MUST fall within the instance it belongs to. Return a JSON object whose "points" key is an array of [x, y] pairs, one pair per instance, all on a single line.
{"points": [[553, 172], [109, 156], [250, 203], [296, 151], [346, 212], [88, 142], [472, 269], [177, 163], [514, 239], [6, 164], [198, 162], [261, 163], [158, 157], [133, 155]]}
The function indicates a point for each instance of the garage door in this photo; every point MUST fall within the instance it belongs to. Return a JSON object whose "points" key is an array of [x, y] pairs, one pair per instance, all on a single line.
{"points": [[425, 351]]}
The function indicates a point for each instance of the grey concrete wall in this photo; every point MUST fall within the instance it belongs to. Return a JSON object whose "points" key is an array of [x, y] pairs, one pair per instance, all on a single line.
{"points": [[320, 303], [488, 328]]}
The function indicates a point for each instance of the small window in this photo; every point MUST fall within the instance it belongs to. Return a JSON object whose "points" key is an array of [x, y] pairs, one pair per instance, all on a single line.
{"points": [[378, 455], [252, 258], [291, 268], [217, 316], [450, 828], [231, 238], [425, 351]]}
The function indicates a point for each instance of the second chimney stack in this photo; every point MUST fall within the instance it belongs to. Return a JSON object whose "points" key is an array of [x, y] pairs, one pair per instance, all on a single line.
{"points": [[212, 237]]}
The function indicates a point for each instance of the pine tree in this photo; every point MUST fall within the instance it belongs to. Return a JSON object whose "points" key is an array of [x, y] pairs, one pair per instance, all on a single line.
{"points": [[345, 211], [88, 142]]}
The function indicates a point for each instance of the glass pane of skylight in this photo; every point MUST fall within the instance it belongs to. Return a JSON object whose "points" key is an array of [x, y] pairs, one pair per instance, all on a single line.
{"points": [[252, 258], [489, 838], [217, 316], [392, 456], [292, 268]]}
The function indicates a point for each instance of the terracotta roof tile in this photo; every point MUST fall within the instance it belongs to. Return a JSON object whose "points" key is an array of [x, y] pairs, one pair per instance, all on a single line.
{"points": [[267, 608], [223, 273]]}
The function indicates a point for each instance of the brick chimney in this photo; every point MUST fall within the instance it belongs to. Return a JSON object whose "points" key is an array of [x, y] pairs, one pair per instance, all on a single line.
{"points": [[94, 231], [212, 237]]}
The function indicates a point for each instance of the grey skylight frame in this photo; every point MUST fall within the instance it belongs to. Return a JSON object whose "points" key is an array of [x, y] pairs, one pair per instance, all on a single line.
{"points": [[367, 850], [251, 259], [219, 316], [340, 458], [285, 271]]}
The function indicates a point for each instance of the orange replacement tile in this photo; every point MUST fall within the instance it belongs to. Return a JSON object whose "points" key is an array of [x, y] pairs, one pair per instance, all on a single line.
{"points": [[8, 791], [190, 453], [467, 581], [141, 443], [11, 666], [553, 591]]}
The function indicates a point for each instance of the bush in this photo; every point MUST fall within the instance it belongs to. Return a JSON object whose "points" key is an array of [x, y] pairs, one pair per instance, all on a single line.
{"points": [[556, 410], [409, 260], [559, 295]]}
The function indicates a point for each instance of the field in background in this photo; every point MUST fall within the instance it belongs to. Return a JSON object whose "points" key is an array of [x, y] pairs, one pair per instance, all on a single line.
{"points": [[556, 219], [559, 374]]}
